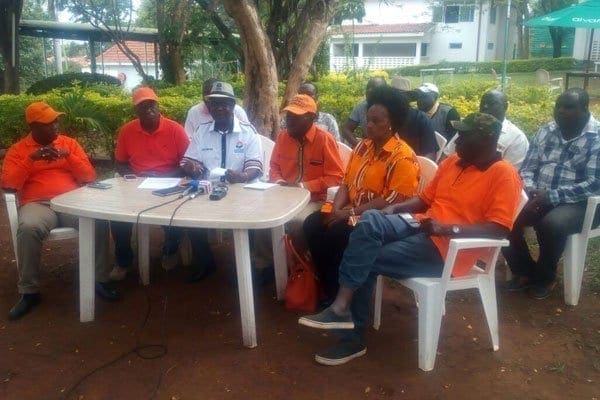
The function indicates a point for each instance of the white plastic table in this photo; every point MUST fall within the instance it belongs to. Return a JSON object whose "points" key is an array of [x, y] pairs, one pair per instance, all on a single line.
{"points": [[240, 210]]}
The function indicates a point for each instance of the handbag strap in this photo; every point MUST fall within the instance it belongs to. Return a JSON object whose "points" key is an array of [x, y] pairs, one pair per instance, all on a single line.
{"points": [[289, 245]]}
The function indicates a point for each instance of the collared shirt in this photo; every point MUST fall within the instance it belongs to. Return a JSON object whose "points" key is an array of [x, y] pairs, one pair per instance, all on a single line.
{"points": [[468, 195], [198, 115], [569, 170], [315, 162], [393, 174], [242, 147], [325, 121], [159, 152], [512, 144], [418, 131], [42, 180]]}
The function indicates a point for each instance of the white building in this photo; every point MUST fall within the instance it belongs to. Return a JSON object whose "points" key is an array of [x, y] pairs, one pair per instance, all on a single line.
{"points": [[397, 33]]}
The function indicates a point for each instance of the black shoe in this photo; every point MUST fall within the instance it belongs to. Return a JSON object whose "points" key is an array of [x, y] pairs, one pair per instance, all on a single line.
{"points": [[541, 291], [104, 290], [26, 303], [341, 353], [202, 274], [517, 283], [327, 319]]}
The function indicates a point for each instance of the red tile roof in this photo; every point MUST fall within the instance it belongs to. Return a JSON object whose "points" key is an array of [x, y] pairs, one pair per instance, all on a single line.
{"points": [[145, 51], [391, 28]]}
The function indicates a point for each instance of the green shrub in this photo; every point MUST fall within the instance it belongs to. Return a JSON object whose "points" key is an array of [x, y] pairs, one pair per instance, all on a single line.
{"points": [[83, 79], [485, 67]]}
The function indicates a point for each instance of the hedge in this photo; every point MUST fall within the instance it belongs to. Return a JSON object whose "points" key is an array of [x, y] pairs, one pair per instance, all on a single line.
{"points": [[71, 79], [94, 114], [530, 65]]}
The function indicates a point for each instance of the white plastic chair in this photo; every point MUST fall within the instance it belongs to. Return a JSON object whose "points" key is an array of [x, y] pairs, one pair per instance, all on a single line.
{"points": [[431, 293], [441, 142], [345, 152], [575, 252], [12, 206], [542, 78]]}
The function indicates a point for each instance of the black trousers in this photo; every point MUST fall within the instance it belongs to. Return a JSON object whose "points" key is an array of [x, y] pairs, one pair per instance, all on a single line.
{"points": [[552, 228], [202, 255], [327, 245]]}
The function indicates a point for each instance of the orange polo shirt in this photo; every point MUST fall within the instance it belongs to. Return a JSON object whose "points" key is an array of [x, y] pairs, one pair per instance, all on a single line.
{"points": [[469, 195], [42, 180], [393, 174], [159, 152], [316, 162]]}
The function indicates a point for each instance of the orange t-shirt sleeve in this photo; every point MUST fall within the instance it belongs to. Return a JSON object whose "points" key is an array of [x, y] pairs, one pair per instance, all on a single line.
{"points": [[182, 141], [121, 153], [402, 180], [80, 165], [332, 168], [274, 166], [16, 168], [504, 197]]}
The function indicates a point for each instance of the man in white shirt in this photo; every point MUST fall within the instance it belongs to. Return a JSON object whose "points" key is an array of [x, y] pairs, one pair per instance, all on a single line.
{"points": [[223, 142], [199, 114], [512, 143]]}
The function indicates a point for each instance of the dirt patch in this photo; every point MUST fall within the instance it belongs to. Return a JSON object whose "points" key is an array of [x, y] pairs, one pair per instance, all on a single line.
{"points": [[547, 350]]}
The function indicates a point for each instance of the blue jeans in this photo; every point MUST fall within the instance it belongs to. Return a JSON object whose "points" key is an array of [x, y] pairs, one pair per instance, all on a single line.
{"points": [[383, 245]]}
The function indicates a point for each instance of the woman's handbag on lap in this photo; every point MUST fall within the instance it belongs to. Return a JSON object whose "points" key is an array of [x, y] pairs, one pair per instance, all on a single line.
{"points": [[302, 290]]}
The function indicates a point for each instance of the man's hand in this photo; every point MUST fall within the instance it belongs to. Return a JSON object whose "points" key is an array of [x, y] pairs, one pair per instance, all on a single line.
{"points": [[192, 169], [391, 209], [49, 154], [538, 203], [236, 177], [434, 228], [338, 215]]}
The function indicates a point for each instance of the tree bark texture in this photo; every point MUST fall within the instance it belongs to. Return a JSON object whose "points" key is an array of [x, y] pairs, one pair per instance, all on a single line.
{"points": [[260, 99], [172, 20], [10, 72]]}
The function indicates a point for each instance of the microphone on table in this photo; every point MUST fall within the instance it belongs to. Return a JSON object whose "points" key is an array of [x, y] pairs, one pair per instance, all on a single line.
{"points": [[203, 187], [192, 187]]}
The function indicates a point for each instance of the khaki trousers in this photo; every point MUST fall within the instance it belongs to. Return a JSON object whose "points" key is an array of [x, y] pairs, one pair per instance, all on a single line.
{"points": [[36, 220], [263, 248]]}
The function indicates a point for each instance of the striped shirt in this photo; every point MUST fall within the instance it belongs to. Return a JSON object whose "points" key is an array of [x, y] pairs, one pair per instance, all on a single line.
{"points": [[392, 175], [569, 170]]}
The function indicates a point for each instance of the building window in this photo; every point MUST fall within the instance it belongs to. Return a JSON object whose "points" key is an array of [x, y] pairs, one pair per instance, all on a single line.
{"points": [[424, 47], [490, 46], [389, 49], [452, 14], [455, 45], [493, 10], [345, 50]]}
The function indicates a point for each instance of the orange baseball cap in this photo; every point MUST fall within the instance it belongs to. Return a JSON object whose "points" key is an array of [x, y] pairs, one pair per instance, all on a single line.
{"points": [[142, 94], [302, 104], [41, 112]]}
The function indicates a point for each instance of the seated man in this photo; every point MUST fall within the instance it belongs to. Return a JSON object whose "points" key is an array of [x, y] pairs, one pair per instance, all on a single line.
{"points": [[150, 145], [561, 170], [198, 114], [323, 120], [441, 114], [474, 194], [306, 156], [39, 167], [223, 142], [512, 143]]}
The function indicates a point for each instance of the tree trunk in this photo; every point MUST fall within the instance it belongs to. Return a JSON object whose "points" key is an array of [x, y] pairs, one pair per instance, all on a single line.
{"points": [[260, 98], [172, 20], [10, 15], [556, 35], [320, 13]]}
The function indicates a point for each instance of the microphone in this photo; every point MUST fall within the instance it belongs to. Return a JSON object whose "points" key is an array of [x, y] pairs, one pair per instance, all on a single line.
{"points": [[203, 187], [192, 187]]}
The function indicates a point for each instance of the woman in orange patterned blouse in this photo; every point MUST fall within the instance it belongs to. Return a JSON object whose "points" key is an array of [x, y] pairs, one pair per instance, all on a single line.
{"points": [[382, 170]]}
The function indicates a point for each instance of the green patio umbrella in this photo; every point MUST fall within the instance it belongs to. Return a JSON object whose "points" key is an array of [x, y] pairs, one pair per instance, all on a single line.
{"points": [[582, 15]]}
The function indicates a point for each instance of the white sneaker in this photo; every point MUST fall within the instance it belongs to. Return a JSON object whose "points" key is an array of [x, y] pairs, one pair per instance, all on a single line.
{"points": [[118, 273]]}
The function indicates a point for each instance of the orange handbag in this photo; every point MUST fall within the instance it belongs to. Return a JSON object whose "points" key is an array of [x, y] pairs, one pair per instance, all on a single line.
{"points": [[302, 290]]}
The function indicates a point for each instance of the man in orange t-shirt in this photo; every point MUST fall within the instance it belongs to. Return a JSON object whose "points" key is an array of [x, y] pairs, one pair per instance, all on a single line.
{"points": [[39, 167], [150, 145], [305, 156], [474, 194]]}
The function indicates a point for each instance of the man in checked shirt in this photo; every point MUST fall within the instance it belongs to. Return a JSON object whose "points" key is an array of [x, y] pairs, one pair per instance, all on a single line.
{"points": [[560, 171]]}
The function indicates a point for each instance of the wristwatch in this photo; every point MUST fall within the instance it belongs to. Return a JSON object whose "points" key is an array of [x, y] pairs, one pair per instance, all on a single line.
{"points": [[455, 229]]}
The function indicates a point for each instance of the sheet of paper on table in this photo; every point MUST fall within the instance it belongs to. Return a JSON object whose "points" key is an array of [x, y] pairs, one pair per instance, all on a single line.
{"points": [[159, 183], [260, 185]]}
